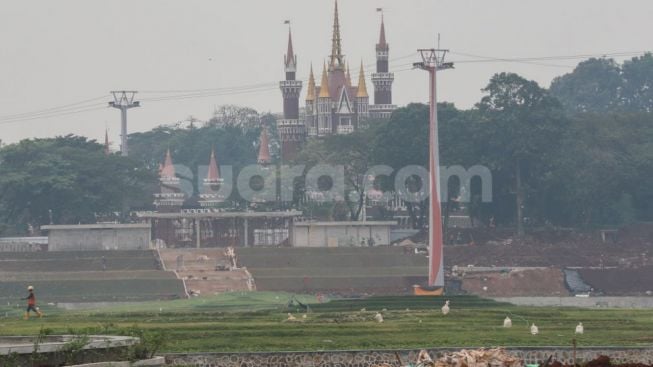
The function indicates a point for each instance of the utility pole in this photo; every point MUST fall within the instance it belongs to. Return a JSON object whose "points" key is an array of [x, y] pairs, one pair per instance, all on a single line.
{"points": [[123, 100], [433, 61]]}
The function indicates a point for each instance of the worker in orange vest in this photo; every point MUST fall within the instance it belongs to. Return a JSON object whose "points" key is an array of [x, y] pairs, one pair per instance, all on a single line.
{"points": [[31, 303]]}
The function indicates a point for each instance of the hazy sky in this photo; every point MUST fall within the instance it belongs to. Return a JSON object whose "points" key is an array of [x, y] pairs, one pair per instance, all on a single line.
{"points": [[55, 53]]}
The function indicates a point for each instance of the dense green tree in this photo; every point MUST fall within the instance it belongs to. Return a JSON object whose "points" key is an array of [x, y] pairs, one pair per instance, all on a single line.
{"points": [[603, 170], [638, 84], [594, 86], [245, 118], [191, 148], [521, 128], [352, 152], [67, 179], [403, 140], [602, 85]]}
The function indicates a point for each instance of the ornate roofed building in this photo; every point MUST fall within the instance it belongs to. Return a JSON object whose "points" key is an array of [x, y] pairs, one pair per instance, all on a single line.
{"points": [[170, 197], [210, 196], [335, 106]]}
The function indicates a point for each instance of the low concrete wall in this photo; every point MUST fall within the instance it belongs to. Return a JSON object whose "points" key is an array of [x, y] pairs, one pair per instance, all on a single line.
{"points": [[341, 234], [98, 237], [51, 350], [23, 244], [369, 358], [75, 306], [152, 362], [587, 302]]}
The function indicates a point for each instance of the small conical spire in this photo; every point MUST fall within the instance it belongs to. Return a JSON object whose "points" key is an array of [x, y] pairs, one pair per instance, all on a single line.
{"points": [[310, 93], [107, 149], [348, 77], [264, 148], [168, 170], [213, 174], [290, 59], [337, 58], [382, 42], [324, 84], [362, 88]]}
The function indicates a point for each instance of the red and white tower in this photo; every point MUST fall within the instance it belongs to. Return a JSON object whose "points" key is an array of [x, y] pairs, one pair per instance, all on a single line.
{"points": [[292, 132], [433, 61]]}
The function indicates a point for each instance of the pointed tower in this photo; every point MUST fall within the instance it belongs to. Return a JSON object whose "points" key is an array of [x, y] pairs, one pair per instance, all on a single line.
{"points": [[324, 112], [362, 98], [292, 133], [382, 79], [170, 198], [348, 77], [339, 91], [311, 117], [211, 184], [337, 59], [107, 146], [264, 148]]}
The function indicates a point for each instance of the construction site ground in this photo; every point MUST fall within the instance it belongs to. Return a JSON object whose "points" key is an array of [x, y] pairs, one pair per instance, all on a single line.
{"points": [[489, 262], [618, 265]]}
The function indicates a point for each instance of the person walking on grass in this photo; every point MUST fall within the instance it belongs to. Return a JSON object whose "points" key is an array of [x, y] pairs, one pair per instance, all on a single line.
{"points": [[31, 303]]}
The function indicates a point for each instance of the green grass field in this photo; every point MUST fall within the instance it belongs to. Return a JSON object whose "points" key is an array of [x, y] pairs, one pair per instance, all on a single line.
{"points": [[255, 322]]}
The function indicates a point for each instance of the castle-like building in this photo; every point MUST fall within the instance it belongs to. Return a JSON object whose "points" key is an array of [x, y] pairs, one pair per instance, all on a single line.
{"points": [[336, 106]]}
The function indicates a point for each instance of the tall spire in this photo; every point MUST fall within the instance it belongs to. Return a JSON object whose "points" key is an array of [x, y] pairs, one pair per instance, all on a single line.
{"points": [[310, 93], [324, 84], [290, 59], [337, 58], [382, 42], [213, 174], [264, 148], [348, 76], [107, 149], [362, 88]]}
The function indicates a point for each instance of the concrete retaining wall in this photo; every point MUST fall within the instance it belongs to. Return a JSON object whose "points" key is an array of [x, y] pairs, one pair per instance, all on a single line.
{"points": [[98, 237], [23, 244], [341, 234], [369, 358]]}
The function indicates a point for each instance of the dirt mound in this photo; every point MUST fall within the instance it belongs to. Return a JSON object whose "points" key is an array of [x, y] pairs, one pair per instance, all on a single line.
{"points": [[628, 247], [621, 282], [515, 283], [471, 358]]}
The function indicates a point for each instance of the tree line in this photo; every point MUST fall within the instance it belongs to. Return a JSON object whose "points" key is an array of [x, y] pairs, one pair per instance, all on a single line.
{"points": [[579, 153]]}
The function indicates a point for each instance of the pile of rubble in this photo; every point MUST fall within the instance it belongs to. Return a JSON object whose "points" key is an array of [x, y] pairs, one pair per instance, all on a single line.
{"points": [[472, 358]]}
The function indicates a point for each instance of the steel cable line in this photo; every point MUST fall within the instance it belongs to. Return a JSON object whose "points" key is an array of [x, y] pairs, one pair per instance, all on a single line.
{"points": [[52, 109], [254, 88], [52, 115], [269, 84], [181, 94], [481, 58]]}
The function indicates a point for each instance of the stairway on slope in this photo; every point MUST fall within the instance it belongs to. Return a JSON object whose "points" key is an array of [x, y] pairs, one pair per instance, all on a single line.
{"points": [[201, 271]]}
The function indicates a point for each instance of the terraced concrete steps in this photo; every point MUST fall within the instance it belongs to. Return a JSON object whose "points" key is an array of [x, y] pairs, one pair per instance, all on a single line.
{"points": [[199, 270]]}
